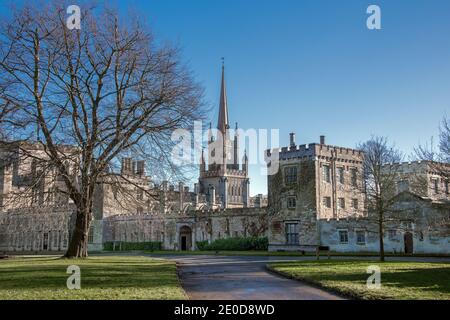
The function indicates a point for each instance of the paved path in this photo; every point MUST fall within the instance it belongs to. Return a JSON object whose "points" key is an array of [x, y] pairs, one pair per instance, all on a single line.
{"points": [[240, 278], [209, 277]]}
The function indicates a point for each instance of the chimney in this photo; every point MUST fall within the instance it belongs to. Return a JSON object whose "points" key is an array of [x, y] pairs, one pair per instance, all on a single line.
{"points": [[322, 139], [292, 139], [126, 166], [140, 168]]}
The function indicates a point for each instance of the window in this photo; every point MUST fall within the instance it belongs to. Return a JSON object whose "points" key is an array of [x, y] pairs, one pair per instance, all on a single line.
{"points": [[290, 174], [326, 173], [341, 203], [355, 204], [327, 202], [402, 186], [392, 234], [291, 202], [65, 240], [435, 183], [360, 237], [292, 233], [341, 175], [354, 175], [343, 236], [91, 235], [45, 242]]}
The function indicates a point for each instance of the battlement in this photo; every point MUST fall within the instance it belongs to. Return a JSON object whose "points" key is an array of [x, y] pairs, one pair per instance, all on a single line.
{"points": [[408, 163], [193, 212], [312, 150], [218, 173]]}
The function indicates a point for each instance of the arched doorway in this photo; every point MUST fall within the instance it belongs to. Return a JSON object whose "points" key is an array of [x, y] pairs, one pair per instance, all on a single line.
{"points": [[408, 240], [185, 238]]}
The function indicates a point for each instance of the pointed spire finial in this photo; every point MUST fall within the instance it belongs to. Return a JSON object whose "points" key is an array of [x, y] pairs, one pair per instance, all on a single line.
{"points": [[222, 123]]}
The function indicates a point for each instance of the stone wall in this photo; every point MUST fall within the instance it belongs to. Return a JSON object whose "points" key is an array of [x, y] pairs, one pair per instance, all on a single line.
{"points": [[198, 225], [426, 221], [38, 229]]}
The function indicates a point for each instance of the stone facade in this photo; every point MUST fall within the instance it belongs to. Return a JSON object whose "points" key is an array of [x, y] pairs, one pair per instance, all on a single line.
{"points": [[315, 198], [128, 206], [315, 181], [422, 178], [35, 229], [420, 226], [193, 226]]}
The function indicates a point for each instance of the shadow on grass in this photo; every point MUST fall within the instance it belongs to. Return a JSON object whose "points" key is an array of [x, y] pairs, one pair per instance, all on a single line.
{"points": [[409, 278], [133, 274]]}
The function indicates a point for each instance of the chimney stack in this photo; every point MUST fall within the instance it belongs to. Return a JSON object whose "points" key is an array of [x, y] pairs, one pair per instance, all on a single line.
{"points": [[140, 168], [292, 139], [127, 166], [196, 188], [322, 139]]}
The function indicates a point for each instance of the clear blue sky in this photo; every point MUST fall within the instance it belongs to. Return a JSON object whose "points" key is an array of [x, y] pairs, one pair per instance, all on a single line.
{"points": [[313, 67]]}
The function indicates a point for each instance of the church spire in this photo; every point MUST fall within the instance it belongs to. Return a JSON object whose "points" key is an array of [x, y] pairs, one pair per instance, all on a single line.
{"points": [[222, 123]]}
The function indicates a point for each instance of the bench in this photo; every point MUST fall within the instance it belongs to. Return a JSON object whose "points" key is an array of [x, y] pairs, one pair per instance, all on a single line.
{"points": [[320, 249]]}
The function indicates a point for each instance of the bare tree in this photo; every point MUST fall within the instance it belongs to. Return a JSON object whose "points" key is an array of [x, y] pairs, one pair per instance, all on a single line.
{"points": [[380, 176], [438, 158], [106, 90]]}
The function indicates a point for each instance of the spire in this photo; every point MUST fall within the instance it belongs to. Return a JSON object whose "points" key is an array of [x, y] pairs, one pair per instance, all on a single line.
{"points": [[222, 123], [245, 161]]}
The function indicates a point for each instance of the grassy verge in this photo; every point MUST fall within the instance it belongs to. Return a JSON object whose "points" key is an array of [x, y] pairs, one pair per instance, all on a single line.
{"points": [[286, 253], [101, 278], [399, 280]]}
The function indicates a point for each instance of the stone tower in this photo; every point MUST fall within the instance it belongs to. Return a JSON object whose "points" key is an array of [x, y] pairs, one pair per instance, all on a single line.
{"points": [[222, 179]]}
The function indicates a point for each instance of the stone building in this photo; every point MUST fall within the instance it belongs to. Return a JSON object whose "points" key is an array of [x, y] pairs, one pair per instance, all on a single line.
{"points": [[316, 197], [314, 181], [420, 225], [423, 178], [35, 213], [221, 174], [128, 206]]}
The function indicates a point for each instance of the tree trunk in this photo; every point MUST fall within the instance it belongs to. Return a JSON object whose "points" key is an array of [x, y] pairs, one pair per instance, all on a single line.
{"points": [[79, 240], [381, 234]]}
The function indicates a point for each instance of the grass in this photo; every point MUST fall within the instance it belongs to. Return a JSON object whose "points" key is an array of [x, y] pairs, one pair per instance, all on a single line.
{"points": [[105, 277], [399, 280], [285, 253]]}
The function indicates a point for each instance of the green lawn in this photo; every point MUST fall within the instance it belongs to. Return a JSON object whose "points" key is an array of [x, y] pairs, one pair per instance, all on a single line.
{"points": [[399, 280], [282, 253], [106, 277]]}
